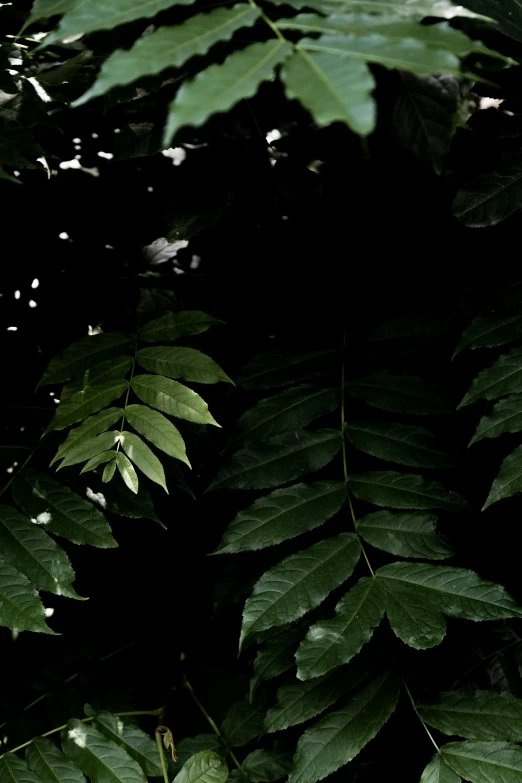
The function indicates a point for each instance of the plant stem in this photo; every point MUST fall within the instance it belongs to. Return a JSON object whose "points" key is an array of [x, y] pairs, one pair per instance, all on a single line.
{"points": [[128, 391], [266, 19], [159, 743], [210, 720], [22, 466], [426, 729]]}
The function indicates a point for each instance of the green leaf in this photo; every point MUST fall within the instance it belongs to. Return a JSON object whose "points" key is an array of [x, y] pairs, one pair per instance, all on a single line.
{"points": [[419, 8], [243, 722], [107, 370], [20, 606], [283, 514], [89, 449], [503, 377], [139, 453], [275, 656], [205, 767], [189, 746], [61, 510], [172, 326], [137, 744], [341, 735], [83, 354], [99, 758], [332, 89], [14, 770], [300, 701], [279, 460], [418, 593], [480, 715], [491, 332], [186, 363], [300, 583], [400, 394], [404, 490], [289, 410], [491, 197], [334, 642], [49, 763], [268, 370], [34, 553], [220, 87], [88, 429], [267, 766], [95, 462], [508, 15], [109, 471], [405, 535], [402, 443], [484, 762], [159, 430], [173, 398], [437, 771], [506, 416], [170, 47], [83, 403], [509, 480]]}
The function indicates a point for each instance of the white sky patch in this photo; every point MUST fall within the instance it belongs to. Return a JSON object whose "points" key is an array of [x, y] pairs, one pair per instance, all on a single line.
{"points": [[106, 155], [35, 283], [273, 135], [17, 294], [176, 154], [12, 328], [32, 303], [63, 235]]}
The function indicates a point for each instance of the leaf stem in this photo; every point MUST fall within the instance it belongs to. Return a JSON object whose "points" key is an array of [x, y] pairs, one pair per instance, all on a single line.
{"points": [[22, 466], [128, 391], [159, 743], [266, 19], [417, 713], [210, 720]]}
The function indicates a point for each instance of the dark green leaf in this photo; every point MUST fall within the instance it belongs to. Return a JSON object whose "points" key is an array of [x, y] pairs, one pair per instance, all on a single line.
{"points": [[173, 398], [139, 453], [481, 715], [484, 762], [283, 514], [342, 734], [508, 14], [118, 499], [506, 416], [49, 763], [243, 722], [159, 430], [172, 326], [399, 393], [275, 656], [279, 460], [87, 430], [137, 744], [509, 480], [491, 197], [404, 490], [490, 332], [205, 767], [83, 354], [402, 443], [438, 771], [20, 606], [186, 363], [405, 535], [14, 770], [267, 766], [269, 370], [503, 377], [83, 403], [99, 758], [300, 583]]}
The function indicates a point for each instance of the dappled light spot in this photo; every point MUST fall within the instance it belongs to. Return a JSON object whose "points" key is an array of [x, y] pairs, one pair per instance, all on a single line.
{"points": [[63, 235], [77, 140], [106, 155], [273, 135], [70, 164], [35, 283], [176, 154], [78, 735], [12, 328], [94, 136], [150, 189], [77, 147], [94, 330], [116, 130], [17, 294]]}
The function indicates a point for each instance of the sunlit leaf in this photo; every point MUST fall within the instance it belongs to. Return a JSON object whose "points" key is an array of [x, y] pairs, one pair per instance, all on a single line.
{"points": [[20, 606], [437, 771], [99, 758], [83, 354], [144, 459], [484, 762], [89, 448], [88, 429], [49, 763], [205, 767], [95, 462], [186, 363], [138, 745], [171, 326], [158, 429], [83, 403], [173, 398]]}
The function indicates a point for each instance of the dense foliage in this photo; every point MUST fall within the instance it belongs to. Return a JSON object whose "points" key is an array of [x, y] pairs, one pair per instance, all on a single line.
{"points": [[300, 451]]}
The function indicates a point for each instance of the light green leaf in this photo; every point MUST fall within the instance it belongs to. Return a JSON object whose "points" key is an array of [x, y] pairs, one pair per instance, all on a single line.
{"points": [[503, 377], [243, 722], [127, 472], [159, 430], [170, 47], [268, 370], [88, 429], [173, 398], [299, 583], [137, 744], [283, 514], [186, 363], [99, 758], [491, 197], [404, 490], [400, 394], [289, 410], [83, 354], [342, 734], [49, 763], [139, 453], [14, 770], [20, 606], [275, 656], [83, 403], [480, 715], [109, 471], [34, 553], [89, 448], [172, 326], [332, 89], [509, 480], [300, 701], [506, 416], [484, 762], [61, 510], [413, 8], [205, 767], [279, 460], [220, 87], [42, 9], [437, 771], [334, 642], [267, 766], [418, 593], [100, 459], [490, 332], [406, 535], [402, 443]]}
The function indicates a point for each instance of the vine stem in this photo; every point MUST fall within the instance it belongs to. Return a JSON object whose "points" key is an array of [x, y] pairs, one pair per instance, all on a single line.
{"points": [[83, 720], [210, 720], [161, 752], [417, 713]]}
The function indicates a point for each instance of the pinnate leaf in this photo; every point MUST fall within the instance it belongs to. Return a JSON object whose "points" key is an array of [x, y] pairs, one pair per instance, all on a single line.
{"points": [[243, 722], [405, 534], [400, 394], [437, 771], [89, 449], [480, 715], [172, 398], [48, 762], [42, 9], [484, 762], [172, 326], [509, 480], [20, 606], [14, 770], [109, 470], [299, 583], [402, 443], [275, 656], [279, 460], [99, 758], [404, 490], [88, 429], [137, 744], [95, 462], [267, 766], [186, 363], [488, 332], [83, 354], [506, 416], [139, 453], [491, 197], [204, 767], [83, 403], [503, 377], [159, 430], [283, 514], [268, 370]]}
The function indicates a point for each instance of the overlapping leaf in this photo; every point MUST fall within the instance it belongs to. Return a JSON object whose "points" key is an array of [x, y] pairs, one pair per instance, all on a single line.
{"points": [[83, 354], [437, 771], [489, 332], [404, 490], [480, 715], [133, 740], [204, 767], [14, 770], [509, 480], [89, 448], [159, 430], [145, 459], [84, 403], [269, 370], [172, 398], [483, 762], [503, 377], [400, 394], [275, 656], [406, 535], [506, 416], [267, 766], [186, 363], [49, 764], [172, 326], [99, 758], [402, 443], [243, 722], [88, 429], [20, 606]]}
